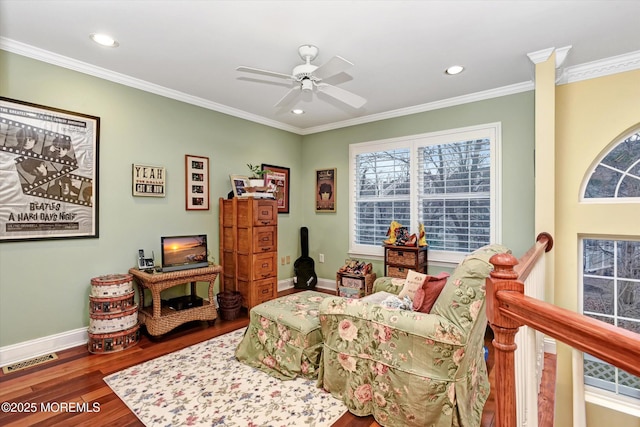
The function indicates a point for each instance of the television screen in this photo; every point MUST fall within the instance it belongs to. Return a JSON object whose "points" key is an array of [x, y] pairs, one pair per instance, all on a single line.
{"points": [[184, 252]]}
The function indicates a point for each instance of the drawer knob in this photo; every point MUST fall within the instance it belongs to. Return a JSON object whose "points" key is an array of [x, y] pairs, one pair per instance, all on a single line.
{"points": [[265, 265]]}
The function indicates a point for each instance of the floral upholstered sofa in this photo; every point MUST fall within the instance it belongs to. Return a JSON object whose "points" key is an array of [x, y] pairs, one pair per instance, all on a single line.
{"points": [[411, 368]]}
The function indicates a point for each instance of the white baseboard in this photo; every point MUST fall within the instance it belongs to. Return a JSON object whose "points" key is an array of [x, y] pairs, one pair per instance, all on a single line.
{"points": [[326, 284], [29, 349]]}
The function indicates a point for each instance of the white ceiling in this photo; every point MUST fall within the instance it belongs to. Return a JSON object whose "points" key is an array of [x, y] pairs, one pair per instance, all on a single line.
{"points": [[189, 50]]}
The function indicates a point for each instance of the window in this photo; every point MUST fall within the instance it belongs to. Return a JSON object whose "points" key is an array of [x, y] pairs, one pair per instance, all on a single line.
{"points": [[611, 268], [611, 293], [446, 180], [617, 175]]}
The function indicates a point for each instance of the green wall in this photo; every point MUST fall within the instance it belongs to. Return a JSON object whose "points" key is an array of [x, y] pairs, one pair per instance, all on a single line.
{"points": [[329, 232], [44, 285]]}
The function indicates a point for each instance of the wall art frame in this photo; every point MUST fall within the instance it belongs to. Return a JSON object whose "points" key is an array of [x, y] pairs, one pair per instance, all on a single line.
{"points": [[238, 184], [325, 193], [277, 180], [148, 181], [49, 161], [196, 182]]}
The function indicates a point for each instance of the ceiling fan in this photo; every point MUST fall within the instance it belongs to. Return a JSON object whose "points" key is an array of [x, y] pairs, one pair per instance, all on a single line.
{"points": [[308, 78]]}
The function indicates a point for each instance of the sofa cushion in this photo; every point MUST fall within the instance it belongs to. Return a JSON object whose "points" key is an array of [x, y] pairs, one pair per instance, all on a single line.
{"points": [[413, 282], [427, 295], [463, 296]]}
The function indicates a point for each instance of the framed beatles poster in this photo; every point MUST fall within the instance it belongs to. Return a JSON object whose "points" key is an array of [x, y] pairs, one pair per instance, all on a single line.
{"points": [[48, 172]]}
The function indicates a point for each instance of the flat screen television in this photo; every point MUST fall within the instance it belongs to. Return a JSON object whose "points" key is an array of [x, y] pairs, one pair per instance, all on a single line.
{"points": [[184, 252]]}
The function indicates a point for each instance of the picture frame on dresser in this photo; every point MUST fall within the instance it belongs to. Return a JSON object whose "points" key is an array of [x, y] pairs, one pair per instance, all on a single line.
{"points": [[196, 183], [238, 184], [51, 158]]}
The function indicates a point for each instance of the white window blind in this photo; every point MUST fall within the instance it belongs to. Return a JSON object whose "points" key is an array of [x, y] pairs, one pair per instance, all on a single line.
{"points": [[445, 180]]}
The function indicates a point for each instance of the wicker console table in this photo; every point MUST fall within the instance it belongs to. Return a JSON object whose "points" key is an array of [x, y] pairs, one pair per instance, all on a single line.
{"points": [[160, 320]]}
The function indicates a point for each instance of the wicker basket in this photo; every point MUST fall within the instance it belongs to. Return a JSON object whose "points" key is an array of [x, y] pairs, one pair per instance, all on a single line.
{"points": [[230, 304]]}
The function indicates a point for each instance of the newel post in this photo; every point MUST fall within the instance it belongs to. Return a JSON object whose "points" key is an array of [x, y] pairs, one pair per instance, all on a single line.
{"points": [[503, 279]]}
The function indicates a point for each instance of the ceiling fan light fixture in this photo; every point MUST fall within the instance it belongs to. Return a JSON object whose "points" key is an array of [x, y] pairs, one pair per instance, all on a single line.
{"points": [[104, 40], [307, 84], [454, 69]]}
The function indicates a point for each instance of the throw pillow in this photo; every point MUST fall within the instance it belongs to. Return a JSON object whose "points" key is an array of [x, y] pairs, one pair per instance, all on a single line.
{"points": [[413, 282], [426, 296]]}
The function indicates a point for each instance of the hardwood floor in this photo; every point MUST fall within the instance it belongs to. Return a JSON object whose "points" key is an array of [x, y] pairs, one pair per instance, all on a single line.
{"points": [[75, 378]]}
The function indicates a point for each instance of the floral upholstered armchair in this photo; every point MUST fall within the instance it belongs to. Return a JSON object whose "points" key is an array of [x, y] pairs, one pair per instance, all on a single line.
{"points": [[411, 368]]}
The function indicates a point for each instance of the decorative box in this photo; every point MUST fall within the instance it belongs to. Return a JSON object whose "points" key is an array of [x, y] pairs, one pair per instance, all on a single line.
{"points": [[101, 323], [356, 281], [114, 341], [115, 304], [111, 285], [350, 292]]}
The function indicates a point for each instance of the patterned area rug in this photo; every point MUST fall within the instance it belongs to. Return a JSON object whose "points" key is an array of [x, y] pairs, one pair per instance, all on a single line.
{"points": [[205, 385]]}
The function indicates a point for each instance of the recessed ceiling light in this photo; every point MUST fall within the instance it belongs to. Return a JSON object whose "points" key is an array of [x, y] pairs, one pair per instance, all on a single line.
{"points": [[104, 40], [454, 69], [297, 111]]}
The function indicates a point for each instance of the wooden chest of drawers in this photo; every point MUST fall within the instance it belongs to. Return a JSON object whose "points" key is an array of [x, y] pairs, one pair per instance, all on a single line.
{"points": [[249, 248], [398, 260]]}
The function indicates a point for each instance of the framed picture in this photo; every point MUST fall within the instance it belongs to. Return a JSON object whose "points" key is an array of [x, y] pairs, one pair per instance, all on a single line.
{"points": [[238, 184], [277, 181], [325, 190], [49, 168], [196, 183], [148, 181]]}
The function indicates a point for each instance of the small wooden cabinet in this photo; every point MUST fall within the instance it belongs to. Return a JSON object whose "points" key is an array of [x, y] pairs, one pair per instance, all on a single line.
{"points": [[249, 248], [398, 260]]}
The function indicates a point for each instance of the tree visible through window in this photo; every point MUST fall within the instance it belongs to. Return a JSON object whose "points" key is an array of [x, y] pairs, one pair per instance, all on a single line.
{"points": [[611, 293], [618, 174], [445, 181], [611, 268]]}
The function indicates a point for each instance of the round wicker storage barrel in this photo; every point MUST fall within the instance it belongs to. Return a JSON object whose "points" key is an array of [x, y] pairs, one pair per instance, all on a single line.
{"points": [[230, 304], [113, 314]]}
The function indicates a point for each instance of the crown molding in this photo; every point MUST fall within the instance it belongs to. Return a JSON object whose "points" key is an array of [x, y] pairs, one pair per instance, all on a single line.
{"points": [[613, 65], [541, 55], [82, 67], [436, 105], [605, 67]]}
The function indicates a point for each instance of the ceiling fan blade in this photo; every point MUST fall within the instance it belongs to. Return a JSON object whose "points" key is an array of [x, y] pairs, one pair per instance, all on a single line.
{"points": [[289, 97], [264, 72], [334, 66], [342, 95]]}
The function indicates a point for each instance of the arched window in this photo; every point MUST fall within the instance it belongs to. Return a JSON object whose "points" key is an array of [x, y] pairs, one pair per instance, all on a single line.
{"points": [[617, 175], [611, 267]]}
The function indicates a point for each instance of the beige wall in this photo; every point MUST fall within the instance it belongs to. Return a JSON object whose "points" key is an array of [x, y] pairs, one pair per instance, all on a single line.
{"points": [[590, 115]]}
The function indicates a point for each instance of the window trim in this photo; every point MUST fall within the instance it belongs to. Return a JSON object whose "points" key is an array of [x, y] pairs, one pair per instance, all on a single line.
{"points": [[492, 131], [592, 394], [597, 162]]}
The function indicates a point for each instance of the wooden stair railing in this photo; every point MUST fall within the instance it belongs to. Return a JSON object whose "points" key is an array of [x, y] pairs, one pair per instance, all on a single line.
{"points": [[508, 309]]}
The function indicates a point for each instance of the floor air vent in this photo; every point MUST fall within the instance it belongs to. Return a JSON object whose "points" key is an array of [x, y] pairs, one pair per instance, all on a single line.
{"points": [[29, 363]]}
